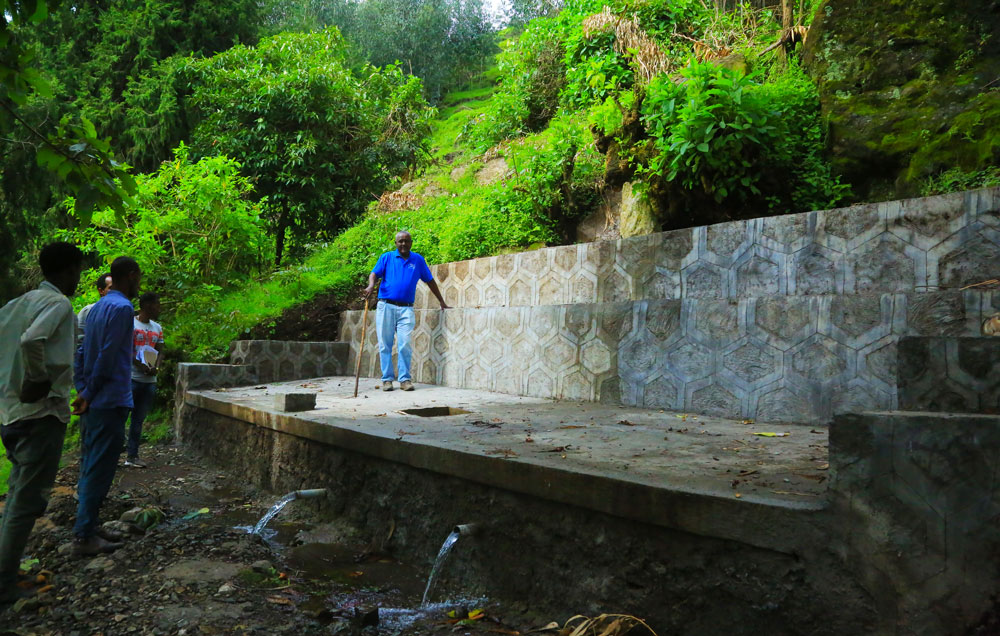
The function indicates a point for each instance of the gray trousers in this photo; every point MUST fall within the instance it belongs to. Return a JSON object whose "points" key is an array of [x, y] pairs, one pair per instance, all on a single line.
{"points": [[33, 448]]}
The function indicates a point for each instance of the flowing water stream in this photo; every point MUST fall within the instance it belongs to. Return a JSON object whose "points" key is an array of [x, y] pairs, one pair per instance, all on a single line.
{"points": [[439, 562]]}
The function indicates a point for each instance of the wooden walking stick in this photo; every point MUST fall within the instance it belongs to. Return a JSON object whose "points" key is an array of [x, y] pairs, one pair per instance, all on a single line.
{"points": [[361, 349]]}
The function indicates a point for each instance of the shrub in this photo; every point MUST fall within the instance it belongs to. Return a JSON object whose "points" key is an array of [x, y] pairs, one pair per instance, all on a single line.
{"points": [[726, 136]]}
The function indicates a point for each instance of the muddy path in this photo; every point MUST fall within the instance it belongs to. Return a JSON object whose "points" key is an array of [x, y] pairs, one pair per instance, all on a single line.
{"points": [[198, 572]]}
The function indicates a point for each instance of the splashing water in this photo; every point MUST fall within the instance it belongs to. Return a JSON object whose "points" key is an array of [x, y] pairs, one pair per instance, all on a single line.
{"points": [[442, 555], [275, 509]]}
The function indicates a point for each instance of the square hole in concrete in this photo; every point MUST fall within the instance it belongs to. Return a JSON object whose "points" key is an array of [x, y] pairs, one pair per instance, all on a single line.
{"points": [[435, 411]]}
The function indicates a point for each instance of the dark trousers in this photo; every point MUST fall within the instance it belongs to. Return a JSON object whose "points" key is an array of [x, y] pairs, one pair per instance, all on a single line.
{"points": [[104, 434], [142, 400], [33, 448]]}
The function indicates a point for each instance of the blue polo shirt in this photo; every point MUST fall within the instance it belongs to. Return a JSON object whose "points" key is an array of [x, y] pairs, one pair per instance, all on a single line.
{"points": [[103, 365], [400, 275]]}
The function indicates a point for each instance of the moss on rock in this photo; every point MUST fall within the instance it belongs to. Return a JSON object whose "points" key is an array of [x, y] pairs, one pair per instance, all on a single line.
{"points": [[909, 89]]}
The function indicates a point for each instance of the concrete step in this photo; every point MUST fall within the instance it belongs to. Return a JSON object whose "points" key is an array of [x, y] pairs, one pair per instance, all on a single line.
{"points": [[280, 360], [942, 242], [949, 374], [785, 358]]}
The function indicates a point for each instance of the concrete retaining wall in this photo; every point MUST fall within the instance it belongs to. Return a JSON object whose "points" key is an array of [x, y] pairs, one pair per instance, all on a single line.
{"points": [[942, 242], [554, 558], [907, 544], [786, 358]]}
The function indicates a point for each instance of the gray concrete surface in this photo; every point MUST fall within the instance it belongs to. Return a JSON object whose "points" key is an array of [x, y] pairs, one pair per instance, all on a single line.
{"points": [[633, 463]]}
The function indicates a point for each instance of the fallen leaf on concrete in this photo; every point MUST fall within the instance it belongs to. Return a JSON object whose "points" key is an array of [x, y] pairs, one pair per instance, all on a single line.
{"points": [[529, 440], [771, 434], [737, 495], [747, 422], [572, 426], [626, 423], [557, 449]]}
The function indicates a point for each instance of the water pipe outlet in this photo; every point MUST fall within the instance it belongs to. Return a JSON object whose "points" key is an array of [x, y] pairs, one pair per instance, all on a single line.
{"points": [[307, 494], [466, 529]]}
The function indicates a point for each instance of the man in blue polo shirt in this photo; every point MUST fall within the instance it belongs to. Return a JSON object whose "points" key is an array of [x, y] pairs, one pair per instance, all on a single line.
{"points": [[399, 270]]}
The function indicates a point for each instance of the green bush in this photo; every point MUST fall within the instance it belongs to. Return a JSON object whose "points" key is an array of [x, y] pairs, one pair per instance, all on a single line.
{"points": [[194, 227], [531, 80], [724, 135]]}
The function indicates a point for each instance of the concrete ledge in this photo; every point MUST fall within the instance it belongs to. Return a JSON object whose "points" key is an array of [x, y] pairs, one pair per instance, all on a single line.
{"points": [[660, 494]]}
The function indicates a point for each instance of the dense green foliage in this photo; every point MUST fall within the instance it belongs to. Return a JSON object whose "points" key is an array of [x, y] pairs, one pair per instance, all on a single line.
{"points": [[194, 227], [716, 132], [704, 134], [319, 140], [443, 42]]}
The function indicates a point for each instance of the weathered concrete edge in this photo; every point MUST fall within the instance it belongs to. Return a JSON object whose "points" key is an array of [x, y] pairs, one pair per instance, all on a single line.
{"points": [[786, 527]]}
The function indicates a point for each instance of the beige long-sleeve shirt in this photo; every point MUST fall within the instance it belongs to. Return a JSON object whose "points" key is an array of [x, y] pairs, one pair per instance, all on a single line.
{"points": [[37, 337]]}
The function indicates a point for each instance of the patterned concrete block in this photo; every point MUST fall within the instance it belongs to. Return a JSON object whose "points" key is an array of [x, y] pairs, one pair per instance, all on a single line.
{"points": [[786, 358], [943, 242], [279, 360], [949, 374], [917, 499]]}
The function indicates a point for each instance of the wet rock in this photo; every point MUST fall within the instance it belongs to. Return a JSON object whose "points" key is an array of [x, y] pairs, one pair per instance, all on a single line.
{"points": [[99, 564]]}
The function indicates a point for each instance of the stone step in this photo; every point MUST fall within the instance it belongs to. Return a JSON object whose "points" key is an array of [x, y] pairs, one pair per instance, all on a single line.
{"points": [[280, 360], [935, 243], [786, 358], [949, 374]]}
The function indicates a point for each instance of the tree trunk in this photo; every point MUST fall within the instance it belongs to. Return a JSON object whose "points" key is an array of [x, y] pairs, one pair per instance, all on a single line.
{"points": [[279, 238]]}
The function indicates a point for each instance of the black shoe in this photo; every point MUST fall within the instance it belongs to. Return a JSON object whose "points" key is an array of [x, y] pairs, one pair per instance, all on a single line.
{"points": [[93, 545]]}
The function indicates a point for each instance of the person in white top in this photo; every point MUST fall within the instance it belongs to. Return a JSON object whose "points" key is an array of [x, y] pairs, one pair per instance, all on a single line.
{"points": [[147, 344], [103, 287], [37, 338]]}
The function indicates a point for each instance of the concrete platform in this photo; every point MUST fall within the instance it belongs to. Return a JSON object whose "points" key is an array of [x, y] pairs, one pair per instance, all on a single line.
{"points": [[637, 464]]}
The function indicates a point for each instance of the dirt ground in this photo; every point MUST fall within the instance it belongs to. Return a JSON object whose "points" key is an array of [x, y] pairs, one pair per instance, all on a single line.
{"points": [[197, 573]]}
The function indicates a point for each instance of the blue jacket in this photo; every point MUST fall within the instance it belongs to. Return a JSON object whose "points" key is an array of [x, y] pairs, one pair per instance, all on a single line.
{"points": [[103, 363]]}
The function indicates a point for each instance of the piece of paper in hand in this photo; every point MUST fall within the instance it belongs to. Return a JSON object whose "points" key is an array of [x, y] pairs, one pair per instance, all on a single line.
{"points": [[147, 355]]}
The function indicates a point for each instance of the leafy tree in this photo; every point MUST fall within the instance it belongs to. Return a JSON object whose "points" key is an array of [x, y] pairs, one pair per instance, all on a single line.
{"points": [[71, 151], [444, 42], [193, 225], [319, 141]]}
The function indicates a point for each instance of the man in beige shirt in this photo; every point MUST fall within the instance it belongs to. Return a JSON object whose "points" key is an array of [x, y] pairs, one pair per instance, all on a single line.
{"points": [[37, 339]]}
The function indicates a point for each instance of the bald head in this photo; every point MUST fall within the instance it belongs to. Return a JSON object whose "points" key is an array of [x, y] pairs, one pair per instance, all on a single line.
{"points": [[403, 243]]}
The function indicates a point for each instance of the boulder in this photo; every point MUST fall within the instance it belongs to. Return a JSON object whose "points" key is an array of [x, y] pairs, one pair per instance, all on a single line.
{"points": [[908, 88], [637, 213]]}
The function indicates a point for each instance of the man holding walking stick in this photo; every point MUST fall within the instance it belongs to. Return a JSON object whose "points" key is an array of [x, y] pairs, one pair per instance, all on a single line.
{"points": [[399, 271]]}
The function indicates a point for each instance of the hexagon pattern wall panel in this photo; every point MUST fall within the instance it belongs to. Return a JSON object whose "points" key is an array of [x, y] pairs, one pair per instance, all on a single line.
{"points": [[782, 358], [943, 242]]}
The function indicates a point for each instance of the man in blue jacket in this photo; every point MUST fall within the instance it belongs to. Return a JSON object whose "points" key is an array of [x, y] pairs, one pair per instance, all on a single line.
{"points": [[104, 393], [399, 270]]}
